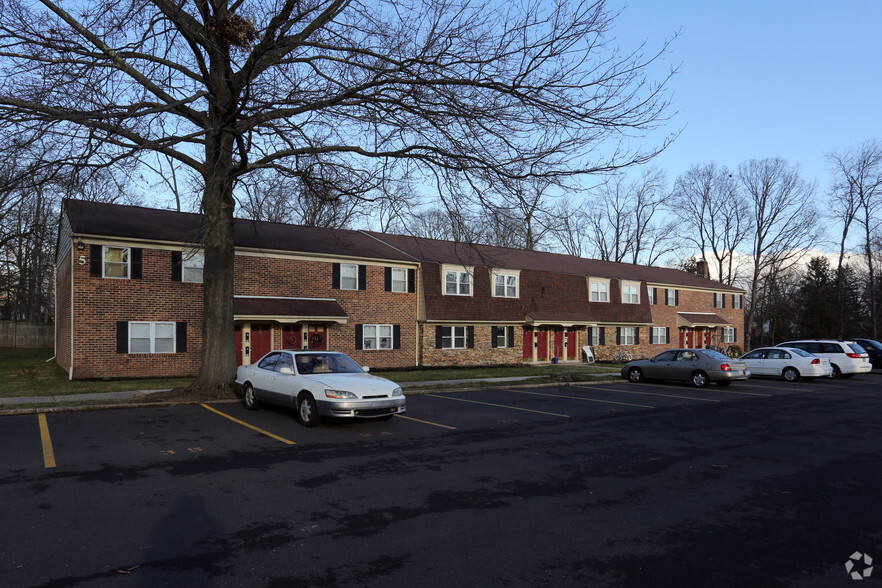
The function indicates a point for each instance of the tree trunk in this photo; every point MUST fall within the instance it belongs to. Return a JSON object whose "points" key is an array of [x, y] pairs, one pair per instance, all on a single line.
{"points": [[218, 370]]}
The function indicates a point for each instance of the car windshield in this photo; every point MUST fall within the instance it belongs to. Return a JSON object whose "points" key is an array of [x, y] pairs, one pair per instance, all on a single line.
{"points": [[801, 352], [714, 354], [326, 363]]}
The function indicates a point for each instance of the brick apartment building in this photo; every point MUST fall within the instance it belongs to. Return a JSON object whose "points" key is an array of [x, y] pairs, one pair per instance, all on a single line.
{"points": [[129, 298]]}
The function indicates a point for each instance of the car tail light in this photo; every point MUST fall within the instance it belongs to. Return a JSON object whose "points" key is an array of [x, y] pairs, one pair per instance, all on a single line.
{"points": [[854, 355], [816, 361], [726, 367]]}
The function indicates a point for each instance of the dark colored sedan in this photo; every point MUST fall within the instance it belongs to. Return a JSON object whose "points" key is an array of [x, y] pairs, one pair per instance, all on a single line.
{"points": [[874, 350], [700, 366]]}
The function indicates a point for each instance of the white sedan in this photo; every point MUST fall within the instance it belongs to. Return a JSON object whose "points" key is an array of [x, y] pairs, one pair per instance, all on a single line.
{"points": [[787, 362], [317, 384]]}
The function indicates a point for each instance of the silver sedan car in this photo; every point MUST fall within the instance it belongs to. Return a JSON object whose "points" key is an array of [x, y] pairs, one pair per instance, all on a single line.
{"points": [[317, 384], [700, 366]]}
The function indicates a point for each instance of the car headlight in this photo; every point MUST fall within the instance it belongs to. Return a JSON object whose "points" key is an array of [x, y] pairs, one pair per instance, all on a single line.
{"points": [[397, 392], [340, 394]]}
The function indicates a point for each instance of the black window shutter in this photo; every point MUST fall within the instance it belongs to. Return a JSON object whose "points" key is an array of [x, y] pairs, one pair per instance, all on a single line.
{"points": [[724, 300], [411, 280], [636, 335], [676, 298], [396, 336], [362, 277], [387, 278], [335, 276], [667, 334], [511, 336], [359, 336], [122, 337], [470, 337], [602, 335], [618, 335], [735, 332], [439, 335], [666, 297], [181, 337], [177, 262], [95, 260], [136, 259], [494, 331]]}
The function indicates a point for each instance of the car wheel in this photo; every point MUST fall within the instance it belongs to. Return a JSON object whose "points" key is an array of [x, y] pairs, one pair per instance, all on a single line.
{"points": [[635, 375], [836, 372], [699, 379], [249, 399], [307, 410], [791, 374]]}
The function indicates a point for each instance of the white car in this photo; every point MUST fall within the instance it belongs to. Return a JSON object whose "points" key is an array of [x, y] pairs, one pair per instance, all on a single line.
{"points": [[847, 357], [317, 384], [787, 362]]}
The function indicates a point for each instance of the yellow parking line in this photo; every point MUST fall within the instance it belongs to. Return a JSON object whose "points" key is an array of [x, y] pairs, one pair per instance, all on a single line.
{"points": [[566, 416], [48, 452], [647, 393], [581, 398], [244, 424], [401, 416]]}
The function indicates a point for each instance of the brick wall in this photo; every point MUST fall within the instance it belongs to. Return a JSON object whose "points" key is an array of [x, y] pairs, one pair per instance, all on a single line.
{"points": [[483, 352]]}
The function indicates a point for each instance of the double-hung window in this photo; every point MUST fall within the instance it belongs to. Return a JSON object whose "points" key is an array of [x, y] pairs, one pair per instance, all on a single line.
{"points": [[505, 286], [377, 337], [348, 276], [399, 279], [631, 293], [458, 283], [192, 265], [151, 337], [599, 292], [453, 337], [719, 300], [659, 335], [116, 262], [627, 336], [729, 334], [737, 300], [671, 297]]}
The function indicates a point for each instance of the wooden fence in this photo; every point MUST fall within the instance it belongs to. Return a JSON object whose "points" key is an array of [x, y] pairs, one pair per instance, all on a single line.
{"points": [[33, 335]]}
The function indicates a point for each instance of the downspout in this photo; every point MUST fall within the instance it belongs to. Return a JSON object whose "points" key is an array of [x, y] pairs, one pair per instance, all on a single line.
{"points": [[72, 267]]}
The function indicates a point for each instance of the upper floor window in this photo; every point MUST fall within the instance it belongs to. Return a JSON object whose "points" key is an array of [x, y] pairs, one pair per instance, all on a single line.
{"points": [[737, 300], [116, 262], [399, 279], [631, 293], [599, 292], [653, 295], [348, 276], [719, 300], [505, 285], [192, 265], [672, 297], [458, 282]]}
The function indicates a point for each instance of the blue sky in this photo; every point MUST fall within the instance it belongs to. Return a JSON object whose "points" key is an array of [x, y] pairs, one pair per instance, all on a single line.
{"points": [[773, 78]]}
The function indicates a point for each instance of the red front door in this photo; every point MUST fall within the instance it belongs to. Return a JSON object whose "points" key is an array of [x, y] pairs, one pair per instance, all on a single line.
{"points": [[292, 337], [571, 344], [542, 351], [318, 337], [558, 344], [528, 344], [261, 341]]}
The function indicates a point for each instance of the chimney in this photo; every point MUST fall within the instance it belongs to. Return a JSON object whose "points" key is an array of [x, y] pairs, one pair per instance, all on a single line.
{"points": [[702, 268]]}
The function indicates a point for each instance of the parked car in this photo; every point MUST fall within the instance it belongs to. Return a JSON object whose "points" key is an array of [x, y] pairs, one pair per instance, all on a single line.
{"points": [[873, 349], [847, 357], [317, 384], [790, 363], [700, 366]]}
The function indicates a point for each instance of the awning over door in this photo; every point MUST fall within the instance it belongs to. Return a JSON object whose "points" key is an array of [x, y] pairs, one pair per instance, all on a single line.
{"points": [[288, 310], [701, 319]]}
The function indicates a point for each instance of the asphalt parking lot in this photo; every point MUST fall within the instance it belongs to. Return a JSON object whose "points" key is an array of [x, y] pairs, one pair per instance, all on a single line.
{"points": [[763, 482]]}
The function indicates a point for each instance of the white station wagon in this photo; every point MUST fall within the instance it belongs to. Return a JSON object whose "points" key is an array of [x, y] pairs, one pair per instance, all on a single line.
{"points": [[317, 384]]}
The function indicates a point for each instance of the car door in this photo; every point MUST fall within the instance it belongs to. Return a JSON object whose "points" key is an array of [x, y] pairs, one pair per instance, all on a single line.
{"points": [[775, 362], [260, 374], [660, 366], [283, 382], [685, 364], [755, 361]]}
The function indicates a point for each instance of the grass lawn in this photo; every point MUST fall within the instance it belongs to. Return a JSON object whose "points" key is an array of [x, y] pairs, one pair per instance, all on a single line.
{"points": [[26, 372]]}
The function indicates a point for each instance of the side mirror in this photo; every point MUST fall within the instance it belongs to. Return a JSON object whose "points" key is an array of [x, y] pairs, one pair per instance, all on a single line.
{"points": [[286, 370]]}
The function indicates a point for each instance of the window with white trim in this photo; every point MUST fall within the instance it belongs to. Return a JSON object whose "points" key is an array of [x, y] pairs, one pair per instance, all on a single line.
{"points": [[116, 262], [595, 336], [659, 335], [151, 337], [737, 301], [458, 283], [671, 295], [729, 335], [599, 291], [631, 293], [453, 337], [348, 276], [377, 337], [399, 279], [719, 300], [192, 265], [628, 336], [505, 285]]}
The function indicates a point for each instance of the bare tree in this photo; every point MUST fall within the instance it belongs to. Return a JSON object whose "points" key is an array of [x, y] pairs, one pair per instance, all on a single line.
{"points": [[330, 89], [712, 215], [784, 221], [857, 197]]}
